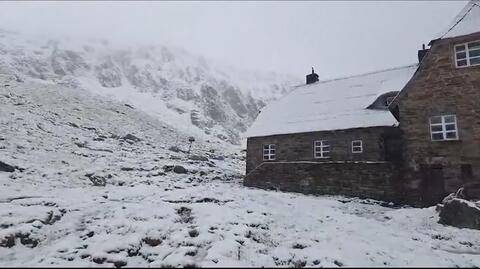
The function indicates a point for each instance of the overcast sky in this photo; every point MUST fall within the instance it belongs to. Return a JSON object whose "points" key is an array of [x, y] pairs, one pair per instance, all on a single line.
{"points": [[337, 38]]}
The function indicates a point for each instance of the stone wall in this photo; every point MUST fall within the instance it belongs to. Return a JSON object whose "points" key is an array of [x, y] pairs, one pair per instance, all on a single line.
{"points": [[439, 88], [299, 147], [377, 180]]}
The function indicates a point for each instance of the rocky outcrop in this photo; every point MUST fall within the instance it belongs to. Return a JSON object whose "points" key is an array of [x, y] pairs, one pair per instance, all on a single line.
{"points": [[462, 208], [460, 213], [4, 167]]}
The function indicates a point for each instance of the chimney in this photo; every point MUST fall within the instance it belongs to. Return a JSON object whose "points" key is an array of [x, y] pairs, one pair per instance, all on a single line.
{"points": [[312, 78], [422, 53]]}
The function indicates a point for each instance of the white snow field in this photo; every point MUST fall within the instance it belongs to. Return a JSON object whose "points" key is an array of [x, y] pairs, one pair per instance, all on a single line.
{"points": [[51, 214]]}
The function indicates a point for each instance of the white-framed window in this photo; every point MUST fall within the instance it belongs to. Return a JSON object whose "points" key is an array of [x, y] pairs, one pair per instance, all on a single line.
{"points": [[467, 54], [321, 149], [269, 152], [357, 146], [443, 127]]}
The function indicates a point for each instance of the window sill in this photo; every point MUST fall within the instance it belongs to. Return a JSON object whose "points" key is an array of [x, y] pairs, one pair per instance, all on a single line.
{"points": [[446, 140]]}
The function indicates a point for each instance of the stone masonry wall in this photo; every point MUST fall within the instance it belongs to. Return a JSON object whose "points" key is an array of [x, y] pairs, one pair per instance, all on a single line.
{"points": [[360, 179], [439, 88], [299, 147]]}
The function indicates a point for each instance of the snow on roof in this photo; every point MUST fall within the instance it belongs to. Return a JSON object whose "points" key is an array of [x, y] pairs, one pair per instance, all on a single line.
{"points": [[332, 105], [465, 23]]}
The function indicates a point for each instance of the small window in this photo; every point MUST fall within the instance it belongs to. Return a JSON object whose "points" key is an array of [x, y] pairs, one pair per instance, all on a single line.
{"points": [[269, 152], [357, 146], [443, 127], [389, 100], [467, 54], [466, 172], [321, 149]]}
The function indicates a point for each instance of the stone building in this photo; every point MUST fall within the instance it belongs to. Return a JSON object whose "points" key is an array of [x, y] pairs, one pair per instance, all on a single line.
{"points": [[408, 134]]}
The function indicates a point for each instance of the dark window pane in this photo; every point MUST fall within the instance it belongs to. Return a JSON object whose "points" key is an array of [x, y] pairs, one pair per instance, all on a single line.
{"points": [[472, 53], [461, 55], [452, 135], [475, 61], [473, 45], [438, 136], [450, 127], [437, 128], [462, 63], [449, 119], [460, 48]]}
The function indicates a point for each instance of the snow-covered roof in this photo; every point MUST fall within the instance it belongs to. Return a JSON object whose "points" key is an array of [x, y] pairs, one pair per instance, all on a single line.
{"points": [[465, 23], [332, 105]]}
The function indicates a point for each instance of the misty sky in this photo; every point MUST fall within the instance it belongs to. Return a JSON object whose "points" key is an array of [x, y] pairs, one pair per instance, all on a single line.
{"points": [[337, 38]]}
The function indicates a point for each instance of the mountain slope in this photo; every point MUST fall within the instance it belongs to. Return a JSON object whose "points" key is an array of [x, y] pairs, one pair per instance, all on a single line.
{"points": [[200, 97]]}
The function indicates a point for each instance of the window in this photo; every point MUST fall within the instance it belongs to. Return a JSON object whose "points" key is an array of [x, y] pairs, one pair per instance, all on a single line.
{"points": [[389, 100], [321, 149], [467, 54], [269, 152], [357, 146], [443, 128]]}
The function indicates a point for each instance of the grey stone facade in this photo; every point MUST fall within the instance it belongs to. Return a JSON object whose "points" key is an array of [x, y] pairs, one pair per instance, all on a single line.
{"points": [[299, 147], [440, 88], [378, 180]]}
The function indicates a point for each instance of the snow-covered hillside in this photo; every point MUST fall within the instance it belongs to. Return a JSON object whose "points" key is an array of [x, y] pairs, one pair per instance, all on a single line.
{"points": [[99, 183], [199, 96]]}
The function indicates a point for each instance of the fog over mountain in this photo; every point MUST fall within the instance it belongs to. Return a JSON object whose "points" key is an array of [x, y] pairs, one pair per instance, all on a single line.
{"points": [[198, 96], [338, 38]]}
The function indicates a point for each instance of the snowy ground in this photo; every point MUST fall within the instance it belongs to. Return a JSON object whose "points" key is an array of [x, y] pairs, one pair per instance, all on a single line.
{"points": [[148, 215]]}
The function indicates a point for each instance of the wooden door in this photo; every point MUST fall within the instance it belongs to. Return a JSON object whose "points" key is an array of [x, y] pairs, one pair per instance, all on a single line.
{"points": [[433, 184]]}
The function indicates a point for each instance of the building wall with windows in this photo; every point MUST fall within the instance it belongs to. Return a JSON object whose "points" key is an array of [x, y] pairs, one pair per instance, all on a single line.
{"points": [[439, 115], [360, 144]]}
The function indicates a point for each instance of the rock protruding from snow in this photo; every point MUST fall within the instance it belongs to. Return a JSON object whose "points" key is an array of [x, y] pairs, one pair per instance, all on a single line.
{"points": [[460, 213], [130, 137], [4, 167], [198, 158], [179, 169], [98, 180]]}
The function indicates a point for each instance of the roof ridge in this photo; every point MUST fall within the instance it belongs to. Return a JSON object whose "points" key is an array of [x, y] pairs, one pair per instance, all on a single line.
{"points": [[364, 74], [463, 13]]}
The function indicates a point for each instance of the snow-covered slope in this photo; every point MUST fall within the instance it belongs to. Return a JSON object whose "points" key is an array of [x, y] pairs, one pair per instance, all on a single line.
{"points": [[151, 213], [201, 97]]}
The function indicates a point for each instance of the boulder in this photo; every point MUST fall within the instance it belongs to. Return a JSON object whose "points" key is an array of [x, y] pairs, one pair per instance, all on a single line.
{"points": [[131, 138], [198, 158], [174, 149], [179, 169], [460, 213], [175, 168], [219, 158], [98, 180], [4, 167]]}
